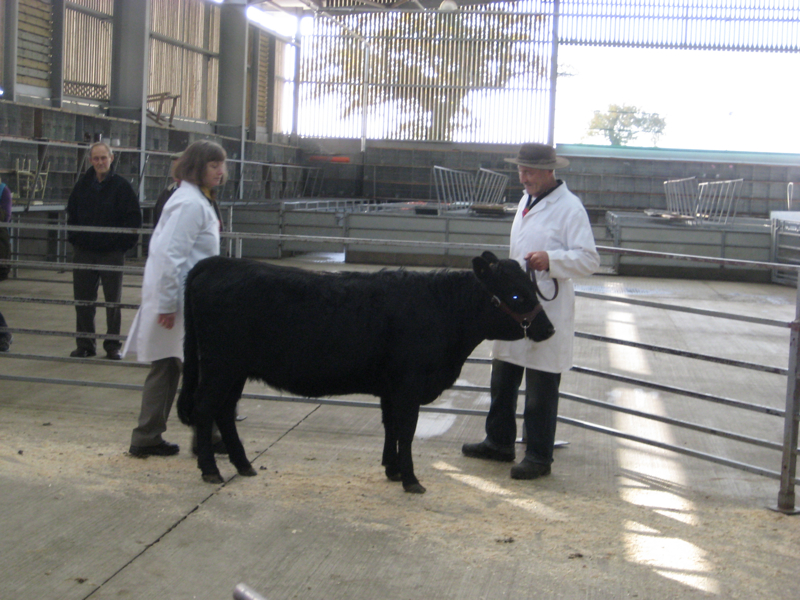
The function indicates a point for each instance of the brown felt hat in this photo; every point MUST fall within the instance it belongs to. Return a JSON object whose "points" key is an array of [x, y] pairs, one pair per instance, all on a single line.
{"points": [[538, 156]]}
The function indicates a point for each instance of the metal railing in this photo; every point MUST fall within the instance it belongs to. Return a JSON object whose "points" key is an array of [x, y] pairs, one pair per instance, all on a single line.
{"points": [[785, 250], [148, 171], [709, 201], [717, 200], [490, 187], [790, 413], [461, 189], [454, 189], [681, 196]]}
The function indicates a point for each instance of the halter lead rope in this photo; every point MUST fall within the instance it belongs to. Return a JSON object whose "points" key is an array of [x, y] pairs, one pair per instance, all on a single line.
{"points": [[532, 275]]}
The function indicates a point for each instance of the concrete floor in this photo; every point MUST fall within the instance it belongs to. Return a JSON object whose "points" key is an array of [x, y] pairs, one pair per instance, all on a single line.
{"points": [[616, 519]]}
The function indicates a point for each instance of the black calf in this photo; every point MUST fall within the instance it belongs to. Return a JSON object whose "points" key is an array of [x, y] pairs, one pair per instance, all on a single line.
{"points": [[401, 336]]}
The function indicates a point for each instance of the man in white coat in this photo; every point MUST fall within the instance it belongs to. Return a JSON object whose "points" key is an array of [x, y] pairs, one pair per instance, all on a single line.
{"points": [[552, 238]]}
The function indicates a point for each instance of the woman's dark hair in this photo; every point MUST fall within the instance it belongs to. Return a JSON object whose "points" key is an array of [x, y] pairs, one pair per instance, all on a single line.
{"points": [[191, 165]]}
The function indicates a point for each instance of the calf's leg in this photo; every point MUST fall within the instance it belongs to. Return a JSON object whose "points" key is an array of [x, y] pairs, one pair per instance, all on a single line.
{"points": [[389, 460], [226, 421], [406, 419], [205, 450], [209, 392]]}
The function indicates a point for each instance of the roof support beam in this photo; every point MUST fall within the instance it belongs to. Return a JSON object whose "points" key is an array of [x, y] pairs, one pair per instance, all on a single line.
{"points": [[10, 45]]}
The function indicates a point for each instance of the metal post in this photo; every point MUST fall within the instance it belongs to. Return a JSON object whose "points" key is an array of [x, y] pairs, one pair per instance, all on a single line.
{"points": [[789, 461], [298, 56], [13, 233], [230, 230], [551, 125], [255, 67], [57, 57], [365, 98], [10, 50], [61, 238]]}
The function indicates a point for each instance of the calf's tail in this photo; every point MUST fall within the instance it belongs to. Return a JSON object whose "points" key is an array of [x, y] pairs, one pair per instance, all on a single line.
{"points": [[191, 366]]}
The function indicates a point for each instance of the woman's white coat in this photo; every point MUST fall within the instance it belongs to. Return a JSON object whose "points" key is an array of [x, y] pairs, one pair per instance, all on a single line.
{"points": [[559, 225], [187, 232]]}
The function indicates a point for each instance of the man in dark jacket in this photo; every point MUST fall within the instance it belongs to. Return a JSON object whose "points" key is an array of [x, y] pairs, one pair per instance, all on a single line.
{"points": [[101, 198]]}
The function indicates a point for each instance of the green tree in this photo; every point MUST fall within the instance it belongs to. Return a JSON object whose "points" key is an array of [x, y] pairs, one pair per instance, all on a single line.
{"points": [[423, 65], [623, 124]]}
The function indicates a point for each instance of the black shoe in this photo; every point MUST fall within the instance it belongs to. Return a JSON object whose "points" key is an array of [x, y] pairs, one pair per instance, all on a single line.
{"points": [[219, 448], [529, 470], [5, 345], [82, 353], [482, 450], [161, 449], [113, 355]]}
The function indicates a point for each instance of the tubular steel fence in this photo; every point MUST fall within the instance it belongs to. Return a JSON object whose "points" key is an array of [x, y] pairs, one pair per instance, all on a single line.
{"points": [[48, 171], [454, 189], [490, 187], [786, 448], [461, 189], [709, 201], [717, 200], [681, 196]]}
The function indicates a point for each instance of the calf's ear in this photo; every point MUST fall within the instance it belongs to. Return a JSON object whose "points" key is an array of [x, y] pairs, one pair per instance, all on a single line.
{"points": [[490, 258], [481, 268]]}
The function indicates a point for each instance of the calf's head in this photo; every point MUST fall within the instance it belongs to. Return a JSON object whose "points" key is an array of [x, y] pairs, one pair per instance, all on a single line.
{"points": [[514, 293]]}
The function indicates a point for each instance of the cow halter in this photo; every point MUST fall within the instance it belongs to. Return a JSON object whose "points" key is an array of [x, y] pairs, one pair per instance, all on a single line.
{"points": [[524, 319]]}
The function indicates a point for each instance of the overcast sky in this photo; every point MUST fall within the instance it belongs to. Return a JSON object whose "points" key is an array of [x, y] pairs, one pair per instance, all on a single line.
{"points": [[710, 100]]}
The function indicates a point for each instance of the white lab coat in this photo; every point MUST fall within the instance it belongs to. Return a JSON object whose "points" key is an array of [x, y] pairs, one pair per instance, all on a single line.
{"points": [[559, 225], [187, 232]]}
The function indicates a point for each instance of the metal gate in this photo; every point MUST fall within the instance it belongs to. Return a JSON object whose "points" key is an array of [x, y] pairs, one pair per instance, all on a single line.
{"points": [[785, 451]]}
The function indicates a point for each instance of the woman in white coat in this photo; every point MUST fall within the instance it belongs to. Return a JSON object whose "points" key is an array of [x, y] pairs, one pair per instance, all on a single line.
{"points": [[187, 232], [551, 236]]}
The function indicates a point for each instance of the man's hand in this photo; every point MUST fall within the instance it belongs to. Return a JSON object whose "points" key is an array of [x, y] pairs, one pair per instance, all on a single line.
{"points": [[167, 320], [538, 261]]}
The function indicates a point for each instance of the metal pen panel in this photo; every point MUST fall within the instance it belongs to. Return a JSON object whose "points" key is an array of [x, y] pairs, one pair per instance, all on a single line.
{"points": [[717, 200], [682, 196], [490, 187]]}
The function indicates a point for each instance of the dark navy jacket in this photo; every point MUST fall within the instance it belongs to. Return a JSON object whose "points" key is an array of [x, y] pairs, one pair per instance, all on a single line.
{"points": [[108, 203]]}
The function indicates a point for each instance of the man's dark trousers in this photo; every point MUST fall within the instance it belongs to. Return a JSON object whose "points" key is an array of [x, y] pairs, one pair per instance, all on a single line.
{"points": [[85, 283], [540, 415]]}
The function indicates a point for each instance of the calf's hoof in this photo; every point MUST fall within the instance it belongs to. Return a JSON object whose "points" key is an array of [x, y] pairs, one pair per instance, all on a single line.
{"points": [[213, 478], [414, 488], [249, 471], [392, 475]]}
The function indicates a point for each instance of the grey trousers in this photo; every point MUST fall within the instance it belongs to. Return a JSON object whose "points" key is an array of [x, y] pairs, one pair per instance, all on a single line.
{"points": [[158, 395]]}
